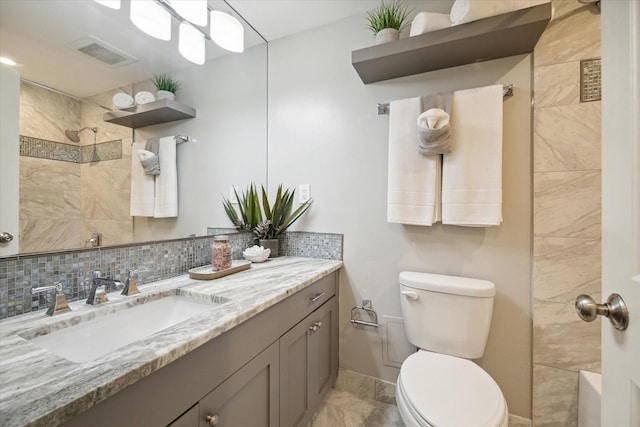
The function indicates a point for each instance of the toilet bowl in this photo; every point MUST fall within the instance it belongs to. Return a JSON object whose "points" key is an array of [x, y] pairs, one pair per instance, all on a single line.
{"points": [[436, 390], [448, 319]]}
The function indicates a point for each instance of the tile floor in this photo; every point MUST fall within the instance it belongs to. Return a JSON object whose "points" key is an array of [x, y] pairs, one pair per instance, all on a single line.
{"points": [[344, 409]]}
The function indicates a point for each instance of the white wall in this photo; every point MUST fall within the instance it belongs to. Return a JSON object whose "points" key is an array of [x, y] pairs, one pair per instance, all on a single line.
{"points": [[230, 129], [324, 131]]}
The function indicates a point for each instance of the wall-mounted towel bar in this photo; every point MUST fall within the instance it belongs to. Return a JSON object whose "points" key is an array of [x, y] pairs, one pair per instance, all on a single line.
{"points": [[179, 139], [383, 107], [366, 307]]}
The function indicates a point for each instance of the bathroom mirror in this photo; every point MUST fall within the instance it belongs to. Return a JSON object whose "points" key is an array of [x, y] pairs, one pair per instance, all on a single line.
{"points": [[62, 202]]}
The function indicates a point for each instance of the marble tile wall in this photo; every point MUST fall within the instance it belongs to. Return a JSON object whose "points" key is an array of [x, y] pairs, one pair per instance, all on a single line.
{"points": [[157, 260], [566, 224], [49, 189]]}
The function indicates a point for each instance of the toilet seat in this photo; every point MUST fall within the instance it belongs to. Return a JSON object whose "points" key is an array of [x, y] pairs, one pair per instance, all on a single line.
{"points": [[438, 390]]}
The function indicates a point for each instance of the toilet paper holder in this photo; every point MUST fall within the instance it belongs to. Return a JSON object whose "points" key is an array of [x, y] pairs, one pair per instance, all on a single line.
{"points": [[366, 307]]}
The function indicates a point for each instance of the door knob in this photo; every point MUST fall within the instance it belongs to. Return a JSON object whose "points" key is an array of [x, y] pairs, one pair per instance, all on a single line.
{"points": [[5, 237], [213, 419], [615, 309]]}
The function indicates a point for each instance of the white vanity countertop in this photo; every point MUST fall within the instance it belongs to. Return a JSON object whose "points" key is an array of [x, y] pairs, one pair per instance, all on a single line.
{"points": [[39, 388]]}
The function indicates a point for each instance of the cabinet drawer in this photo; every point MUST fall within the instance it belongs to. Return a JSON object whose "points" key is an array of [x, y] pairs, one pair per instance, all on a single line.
{"points": [[299, 305]]}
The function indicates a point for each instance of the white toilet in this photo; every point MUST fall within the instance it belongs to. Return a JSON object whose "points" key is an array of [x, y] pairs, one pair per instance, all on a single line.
{"points": [[448, 319]]}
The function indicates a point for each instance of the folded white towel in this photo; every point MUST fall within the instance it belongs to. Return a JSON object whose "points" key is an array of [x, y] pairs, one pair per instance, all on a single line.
{"points": [[425, 22], [413, 195], [464, 11], [166, 184], [142, 186], [434, 118], [122, 100], [144, 97], [472, 172]]}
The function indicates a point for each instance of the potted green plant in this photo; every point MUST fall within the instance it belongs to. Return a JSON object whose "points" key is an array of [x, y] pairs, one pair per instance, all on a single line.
{"points": [[387, 20], [250, 214], [166, 86], [278, 216]]}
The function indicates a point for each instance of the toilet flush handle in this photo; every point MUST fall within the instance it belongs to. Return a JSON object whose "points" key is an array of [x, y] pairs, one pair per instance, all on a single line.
{"points": [[411, 295]]}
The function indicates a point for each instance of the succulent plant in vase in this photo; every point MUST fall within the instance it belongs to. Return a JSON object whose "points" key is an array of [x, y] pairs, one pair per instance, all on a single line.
{"points": [[166, 86], [250, 214], [387, 20]]}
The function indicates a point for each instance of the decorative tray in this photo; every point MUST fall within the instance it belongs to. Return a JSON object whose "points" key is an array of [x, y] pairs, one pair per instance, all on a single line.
{"points": [[206, 272]]}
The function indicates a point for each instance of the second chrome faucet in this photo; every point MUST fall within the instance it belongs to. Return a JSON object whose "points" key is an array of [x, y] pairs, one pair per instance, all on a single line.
{"points": [[99, 288]]}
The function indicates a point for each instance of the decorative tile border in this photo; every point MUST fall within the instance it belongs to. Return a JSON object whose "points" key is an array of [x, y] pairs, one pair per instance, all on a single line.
{"points": [[156, 260], [52, 150]]}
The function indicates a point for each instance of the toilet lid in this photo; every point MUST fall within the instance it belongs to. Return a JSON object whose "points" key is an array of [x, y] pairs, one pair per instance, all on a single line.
{"points": [[449, 391]]}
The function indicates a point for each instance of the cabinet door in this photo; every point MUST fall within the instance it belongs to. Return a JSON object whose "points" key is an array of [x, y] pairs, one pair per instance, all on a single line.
{"points": [[247, 398], [308, 364], [188, 419], [323, 352]]}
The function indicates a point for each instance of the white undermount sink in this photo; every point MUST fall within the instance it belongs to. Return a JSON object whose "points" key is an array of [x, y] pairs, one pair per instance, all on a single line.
{"points": [[91, 339]]}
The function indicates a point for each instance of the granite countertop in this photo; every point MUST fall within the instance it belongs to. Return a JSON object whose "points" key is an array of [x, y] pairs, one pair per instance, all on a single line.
{"points": [[39, 388]]}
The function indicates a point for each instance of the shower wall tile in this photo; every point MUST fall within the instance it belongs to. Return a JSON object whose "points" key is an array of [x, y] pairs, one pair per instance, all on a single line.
{"points": [[555, 397], [572, 34], [557, 85], [48, 234], [41, 123], [567, 137], [49, 101], [567, 204], [565, 267], [114, 231], [552, 346]]}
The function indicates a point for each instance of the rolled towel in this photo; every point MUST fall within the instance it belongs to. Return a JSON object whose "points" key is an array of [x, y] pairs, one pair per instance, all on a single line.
{"points": [[464, 11], [122, 100], [434, 132], [425, 22], [144, 97], [150, 162]]}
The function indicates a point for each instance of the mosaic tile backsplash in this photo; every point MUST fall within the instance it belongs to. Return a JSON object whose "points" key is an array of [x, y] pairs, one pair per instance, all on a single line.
{"points": [[52, 150], [154, 260]]}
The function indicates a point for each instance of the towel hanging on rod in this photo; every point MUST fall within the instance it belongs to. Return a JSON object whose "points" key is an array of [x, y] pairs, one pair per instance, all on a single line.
{"points": [[383, 107]]}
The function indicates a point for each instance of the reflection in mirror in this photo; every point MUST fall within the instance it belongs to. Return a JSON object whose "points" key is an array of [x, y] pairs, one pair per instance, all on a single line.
{"points": [[69, 190]]}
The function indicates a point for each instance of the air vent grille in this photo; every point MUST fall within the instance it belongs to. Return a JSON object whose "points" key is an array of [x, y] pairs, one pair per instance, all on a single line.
{"points": [[102, 51]]}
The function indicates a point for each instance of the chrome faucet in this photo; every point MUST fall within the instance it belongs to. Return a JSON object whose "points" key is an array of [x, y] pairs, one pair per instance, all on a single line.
{"points": [[58, 299], [99, 286]]}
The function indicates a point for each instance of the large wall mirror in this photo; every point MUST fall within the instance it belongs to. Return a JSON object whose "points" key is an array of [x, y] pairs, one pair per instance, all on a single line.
{"points": [[65, 196]]}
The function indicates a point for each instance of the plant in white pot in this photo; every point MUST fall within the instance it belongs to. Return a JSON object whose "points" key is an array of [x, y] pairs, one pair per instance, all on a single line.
{"points": [[387, 21], [166, 86]]}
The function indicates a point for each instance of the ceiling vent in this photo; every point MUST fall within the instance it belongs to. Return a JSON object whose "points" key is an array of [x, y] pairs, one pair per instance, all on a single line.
{"points": [[102, 51]]}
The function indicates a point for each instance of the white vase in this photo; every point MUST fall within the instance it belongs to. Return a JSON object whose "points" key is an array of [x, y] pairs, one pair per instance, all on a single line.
{"points": [[387, 35], [165, 94]]}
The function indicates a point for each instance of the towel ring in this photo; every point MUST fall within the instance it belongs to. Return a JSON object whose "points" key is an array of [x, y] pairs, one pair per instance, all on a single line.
{"points": [[366, 307]]}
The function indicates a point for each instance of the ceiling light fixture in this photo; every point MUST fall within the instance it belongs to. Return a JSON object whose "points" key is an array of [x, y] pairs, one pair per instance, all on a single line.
{"points": [[227, 31], [7, 61], [191, 43], [113, 4], [194, 11], [151, 18]]}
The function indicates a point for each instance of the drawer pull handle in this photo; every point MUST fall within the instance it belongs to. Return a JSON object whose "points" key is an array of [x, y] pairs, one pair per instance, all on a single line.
{"points": [[213, 419], [317, 296]]}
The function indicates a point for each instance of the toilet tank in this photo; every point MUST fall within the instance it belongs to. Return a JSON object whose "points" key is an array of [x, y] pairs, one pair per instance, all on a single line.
{"points": [[447, 314]]}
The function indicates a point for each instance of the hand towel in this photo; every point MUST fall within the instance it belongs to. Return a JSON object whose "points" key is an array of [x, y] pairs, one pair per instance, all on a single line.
{"points": [[122, 100], [413, 193], [464, 11], [166, 184], [142, 186], [150, 158], [425, 22], [434, 132], [472, 172]]}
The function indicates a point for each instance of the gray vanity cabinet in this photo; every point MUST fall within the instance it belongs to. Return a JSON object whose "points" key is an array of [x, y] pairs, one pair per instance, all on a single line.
{"points": [[267, 366], [308, 364]]}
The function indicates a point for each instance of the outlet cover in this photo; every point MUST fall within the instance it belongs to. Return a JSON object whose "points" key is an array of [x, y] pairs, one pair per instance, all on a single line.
{"points": [[304, 194]]}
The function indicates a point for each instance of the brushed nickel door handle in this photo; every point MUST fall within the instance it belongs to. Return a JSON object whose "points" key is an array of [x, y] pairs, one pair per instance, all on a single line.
{"points": [[615, 309], [5, 237]]}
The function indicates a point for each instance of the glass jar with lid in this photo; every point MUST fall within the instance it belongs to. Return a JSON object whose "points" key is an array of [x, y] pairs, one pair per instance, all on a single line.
{"points": [[221, 253]]}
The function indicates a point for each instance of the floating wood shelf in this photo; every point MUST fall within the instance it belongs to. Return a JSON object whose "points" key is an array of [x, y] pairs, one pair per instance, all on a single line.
{"points": [[512, 33], [153, 113]]}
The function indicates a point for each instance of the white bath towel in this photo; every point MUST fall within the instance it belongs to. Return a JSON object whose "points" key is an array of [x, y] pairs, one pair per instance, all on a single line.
{"points": [[425, 22], [122, 100], [413, 193], [472, 172], [166, 184], [142, 185], [464, 11]]}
